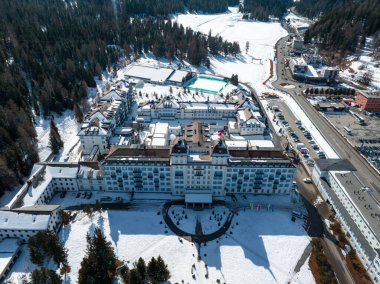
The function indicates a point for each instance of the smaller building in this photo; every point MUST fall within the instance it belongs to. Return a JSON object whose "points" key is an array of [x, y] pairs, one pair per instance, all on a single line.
{"points": [[330, 74], [332, 107], [149, 74], [297, 44], [298, 66], [369, 101], [24, 222], [178, 77], [9, 251]]}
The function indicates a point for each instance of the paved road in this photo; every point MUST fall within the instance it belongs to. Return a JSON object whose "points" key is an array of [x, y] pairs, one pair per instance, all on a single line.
{"points": [[367, 174], [344, 150]]}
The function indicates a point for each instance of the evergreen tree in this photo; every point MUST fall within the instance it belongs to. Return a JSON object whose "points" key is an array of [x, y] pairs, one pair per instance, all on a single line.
{"points": [[141, 268], [55, 139], [44, 275], [45, 244], [163, 269], [134, 277], [152, 270], [99, 264]]}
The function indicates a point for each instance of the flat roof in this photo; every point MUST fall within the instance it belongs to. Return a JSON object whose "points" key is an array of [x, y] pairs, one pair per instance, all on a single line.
{"points": [[178, 75], [371, 95], [366, 200], [198, 198], [348, 219], [334, 165], [10, 220], [261, 143], [155, 74]]}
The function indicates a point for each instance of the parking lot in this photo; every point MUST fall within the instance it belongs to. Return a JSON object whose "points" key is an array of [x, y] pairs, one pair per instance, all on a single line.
{"points": [[297, 134], [358, 131]]}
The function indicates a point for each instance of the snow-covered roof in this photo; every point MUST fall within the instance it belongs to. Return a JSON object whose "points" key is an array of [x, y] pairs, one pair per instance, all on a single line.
{"points": [[34, 192], [261, 143], [63, 172], [10, 220], [178, 75], [155, 74], [204, 106], [111, 95], [92, 131], [237, 144]]}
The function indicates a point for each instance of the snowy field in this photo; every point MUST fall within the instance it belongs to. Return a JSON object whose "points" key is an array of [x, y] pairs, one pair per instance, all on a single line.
{"points": [[257, 245], [359, 64], [68, 129], [252, 67]]}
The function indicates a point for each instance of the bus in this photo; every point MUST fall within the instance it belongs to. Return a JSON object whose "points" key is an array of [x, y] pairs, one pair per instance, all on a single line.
{"points": [[348, 130]]}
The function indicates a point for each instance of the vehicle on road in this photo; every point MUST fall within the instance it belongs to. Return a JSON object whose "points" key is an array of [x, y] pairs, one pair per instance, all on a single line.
{"points": [[89, 195], [307, 180], [348, 130], [78, 195]]}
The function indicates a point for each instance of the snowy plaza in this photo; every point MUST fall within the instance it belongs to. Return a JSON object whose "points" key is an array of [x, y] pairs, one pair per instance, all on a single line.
{"points": [[257, 244]]}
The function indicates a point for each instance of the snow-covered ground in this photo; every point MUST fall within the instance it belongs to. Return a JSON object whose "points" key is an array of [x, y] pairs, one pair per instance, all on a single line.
{"points": [[68, 129], [359, 64], [260, 247], [304, 276], [252, 67], [254, 251], [210, 219]]}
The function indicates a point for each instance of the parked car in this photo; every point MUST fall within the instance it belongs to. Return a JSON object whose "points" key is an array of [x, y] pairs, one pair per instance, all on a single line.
{"points": [[78, 195], [307, 180], [89, 195]]}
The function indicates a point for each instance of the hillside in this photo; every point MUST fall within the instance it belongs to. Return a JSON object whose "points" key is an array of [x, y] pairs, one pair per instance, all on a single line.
{"points": [[312, 8], [345, 27], [262, 9], [50, 51]]}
